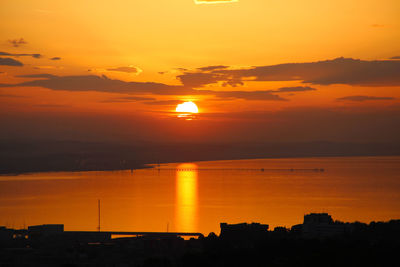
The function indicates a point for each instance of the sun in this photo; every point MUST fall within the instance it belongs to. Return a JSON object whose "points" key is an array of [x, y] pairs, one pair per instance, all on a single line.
{"points": [[187, 107]]}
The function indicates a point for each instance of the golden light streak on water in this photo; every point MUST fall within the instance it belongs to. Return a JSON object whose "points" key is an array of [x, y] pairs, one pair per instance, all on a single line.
{"points": [[186, 197]]}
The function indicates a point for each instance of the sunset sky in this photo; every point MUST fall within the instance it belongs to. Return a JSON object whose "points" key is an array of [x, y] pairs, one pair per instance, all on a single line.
{"points": [[258, 70]]}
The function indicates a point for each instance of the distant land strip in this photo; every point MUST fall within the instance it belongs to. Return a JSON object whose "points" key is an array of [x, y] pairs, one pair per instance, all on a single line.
{"points": [[238, 169], [18, 157]]}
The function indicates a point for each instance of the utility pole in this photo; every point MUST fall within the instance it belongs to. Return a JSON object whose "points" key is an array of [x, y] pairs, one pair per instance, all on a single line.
{"points": [[98, 204]]}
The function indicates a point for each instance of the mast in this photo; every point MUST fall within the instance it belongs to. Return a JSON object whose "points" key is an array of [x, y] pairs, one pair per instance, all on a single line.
{"points": [[98, 204]]}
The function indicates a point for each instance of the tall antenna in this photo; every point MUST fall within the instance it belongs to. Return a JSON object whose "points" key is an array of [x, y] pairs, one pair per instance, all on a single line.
{"points": [[98, 203]]}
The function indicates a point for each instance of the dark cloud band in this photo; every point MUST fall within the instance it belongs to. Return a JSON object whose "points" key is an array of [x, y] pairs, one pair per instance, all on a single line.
{"points": [[10, 62], [104, 84], [337, 71], [20, 55], [361, 98]]}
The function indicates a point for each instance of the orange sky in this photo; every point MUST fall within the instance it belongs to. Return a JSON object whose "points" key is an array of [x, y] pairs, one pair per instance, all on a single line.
{"points": [[162, 45]]}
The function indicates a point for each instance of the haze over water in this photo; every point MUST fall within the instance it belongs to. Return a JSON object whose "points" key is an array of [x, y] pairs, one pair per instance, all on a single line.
{"points": [[194, 197]]}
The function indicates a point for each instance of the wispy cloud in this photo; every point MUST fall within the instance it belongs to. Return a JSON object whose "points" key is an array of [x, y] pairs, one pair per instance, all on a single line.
{"points": [[129, 69], [100, 84], [42, 75], [20, 55], [51, 106], [5, 61], [294, 89], [13, 96], [164, 102], [47, 67], [210, 68], [127, 99], [250, 95], [361, 98], [17, 42]]}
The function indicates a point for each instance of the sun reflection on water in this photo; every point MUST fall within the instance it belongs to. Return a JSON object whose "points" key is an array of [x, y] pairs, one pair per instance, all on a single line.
{"points": [[186, 197], [187, 116]]}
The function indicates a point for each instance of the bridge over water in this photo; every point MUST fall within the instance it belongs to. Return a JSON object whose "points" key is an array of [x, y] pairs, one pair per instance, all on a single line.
{"points": [[240, 169], [148, 234]]}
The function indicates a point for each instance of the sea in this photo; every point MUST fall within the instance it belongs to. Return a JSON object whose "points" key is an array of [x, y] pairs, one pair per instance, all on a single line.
{"points": [[198, 196]]}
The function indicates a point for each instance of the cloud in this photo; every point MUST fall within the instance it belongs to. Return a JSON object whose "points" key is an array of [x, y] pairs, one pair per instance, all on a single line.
{"points": [[200, 79], [42, 75], [48, 67], [337, 71], [17, 42], [99, 84], [295, 89], [34, 55], [249, 95], [10, 62], [164, 102], [127, 99], [361, 98], [214, 1], [377, 25], [396, 57], [10, 95], [20, 55], [51, 106], [209, 68], [104, 84], [129, 69]]}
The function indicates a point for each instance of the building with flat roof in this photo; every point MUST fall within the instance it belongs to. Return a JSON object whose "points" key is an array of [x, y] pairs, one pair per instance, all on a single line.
{"points": [[321, 225], [243, 230], [46, 228]]}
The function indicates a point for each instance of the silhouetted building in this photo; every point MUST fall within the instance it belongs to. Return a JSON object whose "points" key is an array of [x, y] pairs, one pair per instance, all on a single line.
{"points": [[318, 218], [46, 229], [243, 230], [54, 234], [6, 234], [281, 229], [321, 225]]}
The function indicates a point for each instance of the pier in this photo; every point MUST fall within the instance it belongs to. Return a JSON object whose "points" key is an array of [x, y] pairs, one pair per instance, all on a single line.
{"points": [[137, 234], [58, 229], [242, 169]]}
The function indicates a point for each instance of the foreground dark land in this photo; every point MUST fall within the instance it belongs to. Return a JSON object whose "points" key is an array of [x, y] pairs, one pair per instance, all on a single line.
{"points": [[319, 241], [44, 156]]}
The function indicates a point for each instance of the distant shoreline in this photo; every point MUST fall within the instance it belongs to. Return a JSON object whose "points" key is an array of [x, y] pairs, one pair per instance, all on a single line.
{"points": [[73, 156], [150, 165]]}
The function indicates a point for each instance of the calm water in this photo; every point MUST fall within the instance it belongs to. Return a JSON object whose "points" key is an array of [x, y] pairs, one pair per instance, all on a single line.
{"points": [[197, 198]]}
